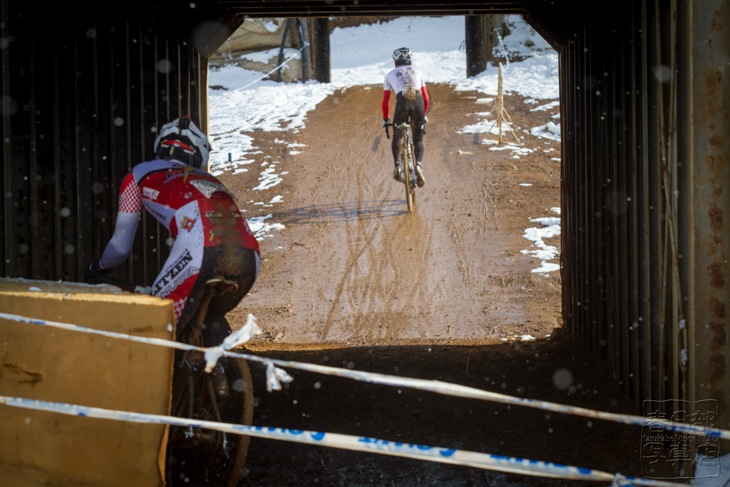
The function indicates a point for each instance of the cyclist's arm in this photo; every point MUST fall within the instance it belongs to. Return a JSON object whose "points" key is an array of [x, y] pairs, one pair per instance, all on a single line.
{"points": [[130, 209], [385, 104], [426, 99]]}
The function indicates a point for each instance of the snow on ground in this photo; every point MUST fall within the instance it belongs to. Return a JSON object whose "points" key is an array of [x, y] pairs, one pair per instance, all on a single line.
{"points": [[362, 56]]}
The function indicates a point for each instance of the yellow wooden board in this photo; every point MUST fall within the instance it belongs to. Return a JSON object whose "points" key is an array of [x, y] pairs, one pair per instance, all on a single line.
{"points": [[46, 363]]}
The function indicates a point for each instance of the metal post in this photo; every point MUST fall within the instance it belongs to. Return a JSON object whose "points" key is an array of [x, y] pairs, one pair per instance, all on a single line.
{"points": [[477, 40], [320, 49]]}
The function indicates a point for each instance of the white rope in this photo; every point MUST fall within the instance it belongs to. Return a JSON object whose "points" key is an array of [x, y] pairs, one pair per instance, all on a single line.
{"points": [[434, 386], [451, 456], [504, 49], [284, 63]]}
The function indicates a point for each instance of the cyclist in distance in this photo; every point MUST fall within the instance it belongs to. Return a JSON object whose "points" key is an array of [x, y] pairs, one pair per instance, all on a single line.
{"points": [[411, 100], [211, 237]]}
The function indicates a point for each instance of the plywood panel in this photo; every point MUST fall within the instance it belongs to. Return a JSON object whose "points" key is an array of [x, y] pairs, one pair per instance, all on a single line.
{"points": [[51, 364]]}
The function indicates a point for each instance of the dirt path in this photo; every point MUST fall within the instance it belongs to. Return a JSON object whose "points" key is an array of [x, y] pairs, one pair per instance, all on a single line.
{"points": [[353, 269], [445, 293]]}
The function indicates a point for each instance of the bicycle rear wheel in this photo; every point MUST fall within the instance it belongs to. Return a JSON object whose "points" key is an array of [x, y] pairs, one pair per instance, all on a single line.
{"points": [[409, 173], [202, 457], [408, 183]]}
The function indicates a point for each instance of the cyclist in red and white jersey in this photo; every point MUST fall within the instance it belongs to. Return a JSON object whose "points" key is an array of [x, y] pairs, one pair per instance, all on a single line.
{"points": [[411, 100], [211, 237]]}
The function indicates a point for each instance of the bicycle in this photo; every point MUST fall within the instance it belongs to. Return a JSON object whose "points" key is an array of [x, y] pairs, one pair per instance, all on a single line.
{"points": [[196, 456], [409, 177]]}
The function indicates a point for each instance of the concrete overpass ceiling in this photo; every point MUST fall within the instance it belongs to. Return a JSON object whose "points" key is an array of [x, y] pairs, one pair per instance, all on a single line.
{"points": [[548, 17]]}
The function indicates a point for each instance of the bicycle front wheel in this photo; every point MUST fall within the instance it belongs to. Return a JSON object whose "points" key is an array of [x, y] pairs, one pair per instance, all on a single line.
{"points": [[202, 457]]}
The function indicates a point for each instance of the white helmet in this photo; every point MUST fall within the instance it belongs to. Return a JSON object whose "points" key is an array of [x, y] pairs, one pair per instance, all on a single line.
{"points": [[181, 139], [402, 55]]}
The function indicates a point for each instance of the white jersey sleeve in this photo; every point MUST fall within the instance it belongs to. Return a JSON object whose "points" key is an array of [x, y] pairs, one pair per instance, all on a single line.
{"points": [[120, 245]]}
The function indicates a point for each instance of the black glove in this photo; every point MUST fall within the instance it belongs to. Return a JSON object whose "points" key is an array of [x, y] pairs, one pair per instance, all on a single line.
{"points": [[386, 122], [92, 270]]}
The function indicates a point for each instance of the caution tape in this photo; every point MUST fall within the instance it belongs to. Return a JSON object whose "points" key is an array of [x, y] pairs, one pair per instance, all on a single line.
{"points": [[500, 463]]}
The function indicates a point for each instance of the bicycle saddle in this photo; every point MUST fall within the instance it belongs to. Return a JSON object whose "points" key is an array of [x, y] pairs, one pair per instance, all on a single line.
{"points": [[220, 285]]}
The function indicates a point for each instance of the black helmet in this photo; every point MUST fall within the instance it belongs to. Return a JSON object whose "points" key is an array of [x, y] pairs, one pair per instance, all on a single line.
{"points": [[402, 55], [181, 139]]}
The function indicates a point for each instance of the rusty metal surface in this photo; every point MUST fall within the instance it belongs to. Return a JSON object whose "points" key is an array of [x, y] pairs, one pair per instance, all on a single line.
{"points": [[646, 161], [707, 151]]}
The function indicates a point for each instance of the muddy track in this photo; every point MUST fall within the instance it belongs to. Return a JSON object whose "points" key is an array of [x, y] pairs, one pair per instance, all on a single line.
{"points": [[353, 268]]}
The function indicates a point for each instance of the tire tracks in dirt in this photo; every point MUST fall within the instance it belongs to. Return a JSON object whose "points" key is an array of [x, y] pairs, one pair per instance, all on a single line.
{"points": [[352, 268]]}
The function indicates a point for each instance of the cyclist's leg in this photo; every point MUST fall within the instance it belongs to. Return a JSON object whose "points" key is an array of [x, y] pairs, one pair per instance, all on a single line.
{"points": [[397, 166], [394, 146], [400, 115], [240, 265], [237, 264], [418, 123]]}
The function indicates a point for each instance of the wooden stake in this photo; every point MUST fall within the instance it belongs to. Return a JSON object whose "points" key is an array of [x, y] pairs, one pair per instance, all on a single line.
{"points": [[500, 111]]}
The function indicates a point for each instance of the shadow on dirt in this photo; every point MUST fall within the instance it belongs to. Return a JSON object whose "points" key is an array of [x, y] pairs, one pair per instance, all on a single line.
{"points": [[545, 369], [342, 212]]}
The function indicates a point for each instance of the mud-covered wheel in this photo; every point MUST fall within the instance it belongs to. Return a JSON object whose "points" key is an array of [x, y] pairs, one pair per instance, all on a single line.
{"points": [[243, 386], [408, 183], [204, 457]]}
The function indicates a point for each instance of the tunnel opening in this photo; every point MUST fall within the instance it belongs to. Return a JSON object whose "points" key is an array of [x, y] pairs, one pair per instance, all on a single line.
{"points": [[254, 114]]}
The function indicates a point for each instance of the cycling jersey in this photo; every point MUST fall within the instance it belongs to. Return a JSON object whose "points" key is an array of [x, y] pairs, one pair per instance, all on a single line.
{"points": [[403, 78], [196, 208], [407, 81]]}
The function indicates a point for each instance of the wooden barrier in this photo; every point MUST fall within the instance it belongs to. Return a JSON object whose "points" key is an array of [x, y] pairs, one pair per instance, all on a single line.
{"points": [[51, 364]]}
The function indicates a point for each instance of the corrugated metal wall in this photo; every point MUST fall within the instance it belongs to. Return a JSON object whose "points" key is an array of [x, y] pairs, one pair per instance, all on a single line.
{"points": [[645, 110], [87, 94]]}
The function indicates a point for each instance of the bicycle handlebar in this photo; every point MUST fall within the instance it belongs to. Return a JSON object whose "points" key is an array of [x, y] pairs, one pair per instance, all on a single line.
{"points": [[394, 125], [127, 286]]}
